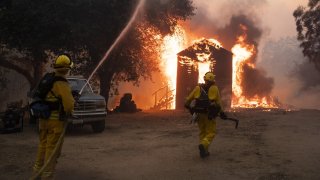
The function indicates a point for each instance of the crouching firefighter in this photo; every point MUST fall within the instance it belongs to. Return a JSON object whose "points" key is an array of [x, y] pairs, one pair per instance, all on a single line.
{"points": [[204, 102], [61, 104]]}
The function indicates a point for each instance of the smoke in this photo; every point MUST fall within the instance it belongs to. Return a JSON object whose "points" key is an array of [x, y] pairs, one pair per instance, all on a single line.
{"points": [[294, 80], [211, 17], [308, 75], [291, 81], [297, 82], [226, 21], [229, 33], [256, 83], [307, 92]]}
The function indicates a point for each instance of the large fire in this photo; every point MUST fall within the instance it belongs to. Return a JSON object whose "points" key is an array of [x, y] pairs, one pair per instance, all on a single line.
{"points": [[172, 44], [203, 67], [242, 52], [204, 58]]}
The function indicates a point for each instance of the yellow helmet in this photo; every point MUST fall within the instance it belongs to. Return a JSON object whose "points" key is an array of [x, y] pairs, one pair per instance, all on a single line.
{"points": [[209, 76], [63, 61]]}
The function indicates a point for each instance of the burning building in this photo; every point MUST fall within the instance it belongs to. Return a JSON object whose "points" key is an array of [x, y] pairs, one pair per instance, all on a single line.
{"points": [[241, 83], [203, 56]]}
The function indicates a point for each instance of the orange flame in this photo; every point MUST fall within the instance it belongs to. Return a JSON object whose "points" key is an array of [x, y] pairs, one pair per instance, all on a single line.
{"points": [[242, 52], [205, 60], [172, 44], [203, 68], [241, 55]]}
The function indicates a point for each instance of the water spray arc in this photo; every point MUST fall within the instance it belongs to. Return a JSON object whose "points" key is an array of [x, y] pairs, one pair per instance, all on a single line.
{"points": [[123, 32]]}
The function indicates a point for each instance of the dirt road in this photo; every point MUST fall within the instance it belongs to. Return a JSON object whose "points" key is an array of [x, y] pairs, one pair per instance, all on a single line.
{"points": [[163, 145]]}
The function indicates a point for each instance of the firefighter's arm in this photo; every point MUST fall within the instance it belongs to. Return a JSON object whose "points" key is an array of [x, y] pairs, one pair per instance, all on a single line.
{"points": [[194, 93], [64, 92], [214, 95]]}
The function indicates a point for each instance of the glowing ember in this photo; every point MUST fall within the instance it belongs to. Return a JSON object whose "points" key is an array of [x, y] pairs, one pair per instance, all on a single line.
{"points": [[172, 44]]}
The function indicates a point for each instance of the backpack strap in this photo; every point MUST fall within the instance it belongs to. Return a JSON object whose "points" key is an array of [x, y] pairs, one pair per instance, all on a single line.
{"points": [[202, 90], [57, 78], [57, 105]]}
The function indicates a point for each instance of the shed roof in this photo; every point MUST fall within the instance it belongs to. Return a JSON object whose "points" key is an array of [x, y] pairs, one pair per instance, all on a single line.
{"points": [[204, 46]]}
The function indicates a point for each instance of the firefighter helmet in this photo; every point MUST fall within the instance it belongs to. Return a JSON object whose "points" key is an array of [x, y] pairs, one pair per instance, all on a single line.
{"points": [[209, 76], [63, 61]]}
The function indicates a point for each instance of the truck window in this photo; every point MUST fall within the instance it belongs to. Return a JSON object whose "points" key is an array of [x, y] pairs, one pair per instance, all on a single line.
{"points": [[77, 84]]}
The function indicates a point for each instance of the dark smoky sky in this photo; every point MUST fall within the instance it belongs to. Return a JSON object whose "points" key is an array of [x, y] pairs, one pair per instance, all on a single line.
{"points": [[229, 33]]}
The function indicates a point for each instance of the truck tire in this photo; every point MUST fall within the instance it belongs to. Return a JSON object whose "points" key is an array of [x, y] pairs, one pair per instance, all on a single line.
{"points": [[99, 126]]}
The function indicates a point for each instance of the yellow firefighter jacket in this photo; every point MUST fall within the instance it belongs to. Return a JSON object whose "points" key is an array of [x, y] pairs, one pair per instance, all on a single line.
{"points": [[213, 95], [61, 90]]}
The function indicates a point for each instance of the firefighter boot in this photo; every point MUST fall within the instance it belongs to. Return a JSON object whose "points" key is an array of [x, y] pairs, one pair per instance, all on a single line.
{"points": [[203, 152]]}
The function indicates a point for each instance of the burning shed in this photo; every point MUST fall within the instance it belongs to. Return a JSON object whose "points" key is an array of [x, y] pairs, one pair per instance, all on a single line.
{"points": [[203, 56]]}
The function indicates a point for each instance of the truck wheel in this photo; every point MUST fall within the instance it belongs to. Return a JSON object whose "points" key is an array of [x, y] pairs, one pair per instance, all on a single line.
{"points": [[99, 126]]}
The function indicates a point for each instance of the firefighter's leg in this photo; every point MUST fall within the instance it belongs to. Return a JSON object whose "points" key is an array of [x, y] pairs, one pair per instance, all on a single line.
{"points": [[42, 146], [207, 130], [201, 125], [55, 128], [210, 129]]}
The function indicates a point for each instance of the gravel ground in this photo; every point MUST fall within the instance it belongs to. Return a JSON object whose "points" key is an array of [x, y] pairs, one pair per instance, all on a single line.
{"points": [[148, 145]]}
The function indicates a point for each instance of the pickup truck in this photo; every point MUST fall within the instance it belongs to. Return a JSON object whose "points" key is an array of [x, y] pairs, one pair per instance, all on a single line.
{"points": [[90, 107]]}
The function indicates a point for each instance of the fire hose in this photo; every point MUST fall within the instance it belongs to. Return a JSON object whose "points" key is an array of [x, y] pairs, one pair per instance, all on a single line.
{"points": [[194, 117], [234, 120], [54, 153]]}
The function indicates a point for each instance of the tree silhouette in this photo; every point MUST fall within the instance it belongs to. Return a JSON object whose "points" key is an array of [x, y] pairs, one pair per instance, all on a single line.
{"points": [[308, 27], [36, 29]]}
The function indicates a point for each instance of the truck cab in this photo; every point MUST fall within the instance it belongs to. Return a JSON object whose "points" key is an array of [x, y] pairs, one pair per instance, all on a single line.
{"points": [[90, 107]]}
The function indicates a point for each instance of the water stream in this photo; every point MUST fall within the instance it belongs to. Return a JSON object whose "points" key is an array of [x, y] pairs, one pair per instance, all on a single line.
{"points": [[123, 32]]}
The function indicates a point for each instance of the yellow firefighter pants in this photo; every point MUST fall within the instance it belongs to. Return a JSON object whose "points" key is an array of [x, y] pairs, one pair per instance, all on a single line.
{"points": [[207, 130], [50, 132]]}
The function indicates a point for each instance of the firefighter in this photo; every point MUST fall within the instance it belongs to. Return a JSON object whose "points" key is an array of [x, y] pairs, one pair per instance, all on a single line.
{"points": [[205, 102], [51, 128]]}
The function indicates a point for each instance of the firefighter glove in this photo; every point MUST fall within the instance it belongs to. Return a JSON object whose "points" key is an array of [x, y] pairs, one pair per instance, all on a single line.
{"points": [[223, 115], [191, 111], [186, 106]]}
